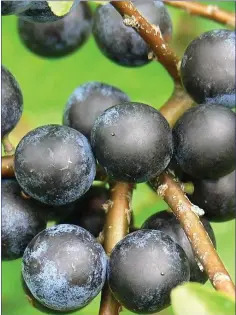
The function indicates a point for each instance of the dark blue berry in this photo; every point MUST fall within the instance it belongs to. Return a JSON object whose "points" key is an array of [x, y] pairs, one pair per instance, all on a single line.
{"points": [[41, 12], [121, 43], [59, 38], [216, 197], [208, 68], [54, 164], [204, 140], [13, 7], [166, 222], [87, 102], [132, 141], [21, 220], [64, 267], [11, 102], [143, 269]]}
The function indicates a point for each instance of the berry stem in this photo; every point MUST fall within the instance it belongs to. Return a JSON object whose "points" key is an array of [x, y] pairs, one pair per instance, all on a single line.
{"points": [[8, 166], [116, 227], [8, 147], [177, 104], [151, 35], [179, 101], [201, 244], [211, 12]]}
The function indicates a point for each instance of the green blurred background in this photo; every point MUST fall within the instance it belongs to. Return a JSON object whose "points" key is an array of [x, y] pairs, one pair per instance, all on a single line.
{"points": [[46, 86]]}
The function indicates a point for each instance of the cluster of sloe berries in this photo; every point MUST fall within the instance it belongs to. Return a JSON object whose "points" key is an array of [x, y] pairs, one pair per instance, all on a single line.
{"points": [[64, 266]]}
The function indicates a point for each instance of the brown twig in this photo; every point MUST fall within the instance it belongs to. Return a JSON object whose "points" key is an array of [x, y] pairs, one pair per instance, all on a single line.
{"points": [[172, 110], [151, 35], [116, 227], [177, 104], [211, 12], [8, 166], [180, 101], [202, 246]]}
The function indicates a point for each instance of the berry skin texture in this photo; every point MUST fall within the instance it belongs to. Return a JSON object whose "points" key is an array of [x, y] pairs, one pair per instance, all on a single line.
{"points": [[11, 102], [204, 141], [132, 141], [143, 269], [41, 12], [120, 43], [166, 222], [64, 267], [54, 164], [21, 221], [13, 7], [59, 38], [208, 68], [87, 102], [216, 197]]}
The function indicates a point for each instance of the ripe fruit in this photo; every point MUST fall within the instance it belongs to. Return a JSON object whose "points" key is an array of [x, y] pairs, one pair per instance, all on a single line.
{"points": [[204, 140], [41, 12], [208, 68], [143, 269], [121, 43], [54, 164], [11, 102], [87, 102], [59, 38], [64, 267], [13, 7], [216, 197], [132, 141], [21, 221], [166, 222], [88, 212]]}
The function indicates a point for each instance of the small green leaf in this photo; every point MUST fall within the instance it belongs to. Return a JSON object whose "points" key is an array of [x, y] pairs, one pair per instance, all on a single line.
{"points": [[195, 299], [60, 8]]}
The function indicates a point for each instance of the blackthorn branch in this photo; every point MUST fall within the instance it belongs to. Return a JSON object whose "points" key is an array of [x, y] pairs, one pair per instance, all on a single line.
{"points": [[116, 227], [208, 11], [198, 237], [151, 35], [213, 266], [118, 207]]}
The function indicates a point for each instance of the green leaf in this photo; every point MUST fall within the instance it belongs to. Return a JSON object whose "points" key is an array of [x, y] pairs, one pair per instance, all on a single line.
{"points": [[60, 8], [195, 299]]}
